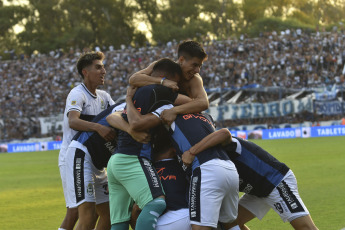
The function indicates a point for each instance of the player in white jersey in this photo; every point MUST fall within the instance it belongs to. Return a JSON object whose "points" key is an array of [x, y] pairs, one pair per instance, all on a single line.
{"points": [[83, 103]]}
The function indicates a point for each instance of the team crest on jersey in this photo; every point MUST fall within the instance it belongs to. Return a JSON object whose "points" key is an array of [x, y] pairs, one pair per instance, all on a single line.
{"points": [[90, 189], [102, 104], [73, 102]]}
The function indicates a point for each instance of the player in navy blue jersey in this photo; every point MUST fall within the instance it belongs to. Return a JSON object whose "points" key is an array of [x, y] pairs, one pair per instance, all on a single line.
{"points": [[175, 184], [266, 182], [130, 172], [214, 182], [86, 178]]}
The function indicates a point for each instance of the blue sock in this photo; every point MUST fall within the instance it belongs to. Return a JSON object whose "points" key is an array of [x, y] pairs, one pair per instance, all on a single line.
{"points": [[147, 219], [120, 226]]}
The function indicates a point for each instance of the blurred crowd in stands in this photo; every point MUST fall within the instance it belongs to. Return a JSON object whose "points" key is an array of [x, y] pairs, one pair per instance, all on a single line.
{"points": [[37, 85]]}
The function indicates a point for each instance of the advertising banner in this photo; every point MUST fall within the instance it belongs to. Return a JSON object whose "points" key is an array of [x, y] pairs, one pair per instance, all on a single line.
{"points": [[260, 110]]}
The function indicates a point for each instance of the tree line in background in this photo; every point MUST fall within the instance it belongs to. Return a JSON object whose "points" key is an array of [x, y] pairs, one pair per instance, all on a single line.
{"points": [[55, 24]]}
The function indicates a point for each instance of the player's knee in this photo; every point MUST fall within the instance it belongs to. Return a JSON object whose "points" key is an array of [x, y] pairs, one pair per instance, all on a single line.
{"points": [[150, 213], [303, 223], [155, 207]]}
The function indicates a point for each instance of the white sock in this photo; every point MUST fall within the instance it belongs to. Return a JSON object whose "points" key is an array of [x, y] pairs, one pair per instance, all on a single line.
{"points": [[61, 229], [235, 228]]}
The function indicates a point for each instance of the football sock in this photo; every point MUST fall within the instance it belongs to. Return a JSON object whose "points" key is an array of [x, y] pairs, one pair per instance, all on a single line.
{"points": [[147, 219]]}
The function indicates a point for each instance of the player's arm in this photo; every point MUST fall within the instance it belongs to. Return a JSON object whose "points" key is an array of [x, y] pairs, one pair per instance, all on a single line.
{"points": [[143, 78], [116, 120], [78, 124], [221, 136], [198, 104], [137, 121]]}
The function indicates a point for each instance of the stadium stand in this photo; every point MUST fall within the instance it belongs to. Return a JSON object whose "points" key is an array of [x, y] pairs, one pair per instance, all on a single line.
{"points": [[268, 68]]}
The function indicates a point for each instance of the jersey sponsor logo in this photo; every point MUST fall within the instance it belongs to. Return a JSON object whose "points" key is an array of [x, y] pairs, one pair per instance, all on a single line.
{"points": [[160, 172], [110, 147], [102, 105], [189, 116], [152, 173], [78, 174], [279, 207], [194, 195], [73, 102], [78, 171]]}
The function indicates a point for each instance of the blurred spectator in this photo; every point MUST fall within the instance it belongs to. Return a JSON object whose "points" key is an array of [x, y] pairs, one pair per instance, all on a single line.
{"points": [[37, 85]]}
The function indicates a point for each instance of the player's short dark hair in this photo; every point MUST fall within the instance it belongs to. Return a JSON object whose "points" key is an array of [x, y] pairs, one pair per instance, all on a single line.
{"points": [[191, 49], [161, 141], [168, 67], [86, 59]]}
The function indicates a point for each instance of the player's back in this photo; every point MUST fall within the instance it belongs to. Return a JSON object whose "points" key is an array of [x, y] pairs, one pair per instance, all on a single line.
{"points": [[259, 171], [188, 130]]}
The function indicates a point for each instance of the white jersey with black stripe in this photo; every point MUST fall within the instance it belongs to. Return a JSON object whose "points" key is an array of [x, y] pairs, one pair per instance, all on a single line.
{"points": [[89, 105]]}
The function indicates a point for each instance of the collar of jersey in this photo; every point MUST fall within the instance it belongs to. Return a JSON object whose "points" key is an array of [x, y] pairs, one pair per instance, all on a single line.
{"points": [[87, 90]]}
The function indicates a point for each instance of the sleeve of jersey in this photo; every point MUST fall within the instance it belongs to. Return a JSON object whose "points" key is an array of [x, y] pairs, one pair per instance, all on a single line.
{"points": [[110, 100], [75, 101], [158, 111]]}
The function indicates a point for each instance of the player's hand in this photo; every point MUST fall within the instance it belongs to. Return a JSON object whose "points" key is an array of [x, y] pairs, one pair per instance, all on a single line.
{"points": [[168, 116], [171, 84], [142, 137], [107, 133], [187, 158], [131, 91]]}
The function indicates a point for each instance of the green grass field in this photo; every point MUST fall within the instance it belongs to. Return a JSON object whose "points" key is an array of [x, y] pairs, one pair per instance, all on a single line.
{"points": [[31, 195]]}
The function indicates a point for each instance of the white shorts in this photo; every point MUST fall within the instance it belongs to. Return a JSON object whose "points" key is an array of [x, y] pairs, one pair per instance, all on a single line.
{"points": [[62, 168], [172, 220], [84, 182], [284, 200], [215, 196]]}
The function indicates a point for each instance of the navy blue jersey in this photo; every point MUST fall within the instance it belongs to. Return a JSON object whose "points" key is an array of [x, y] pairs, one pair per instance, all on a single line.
{"points": [[189, 129], [258, 170], [99, 149], [146, 99], [174, 182]]}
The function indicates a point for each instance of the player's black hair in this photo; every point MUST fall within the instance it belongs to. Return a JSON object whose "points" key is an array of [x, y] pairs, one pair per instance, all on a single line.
{"points": [[168, 67], [86, 59], [190, 49], [161, 141]]}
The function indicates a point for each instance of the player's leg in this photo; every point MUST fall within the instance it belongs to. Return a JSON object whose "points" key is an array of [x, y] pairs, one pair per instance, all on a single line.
{"points": [[70, 219], [249, 207], [80, 186], [244, 216], [86, 211], [71, 216], [286, 201], [120, 202], [102, 198], [229, 207], [303, 223], [206, 194], [143, 184], [104, 216]]}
